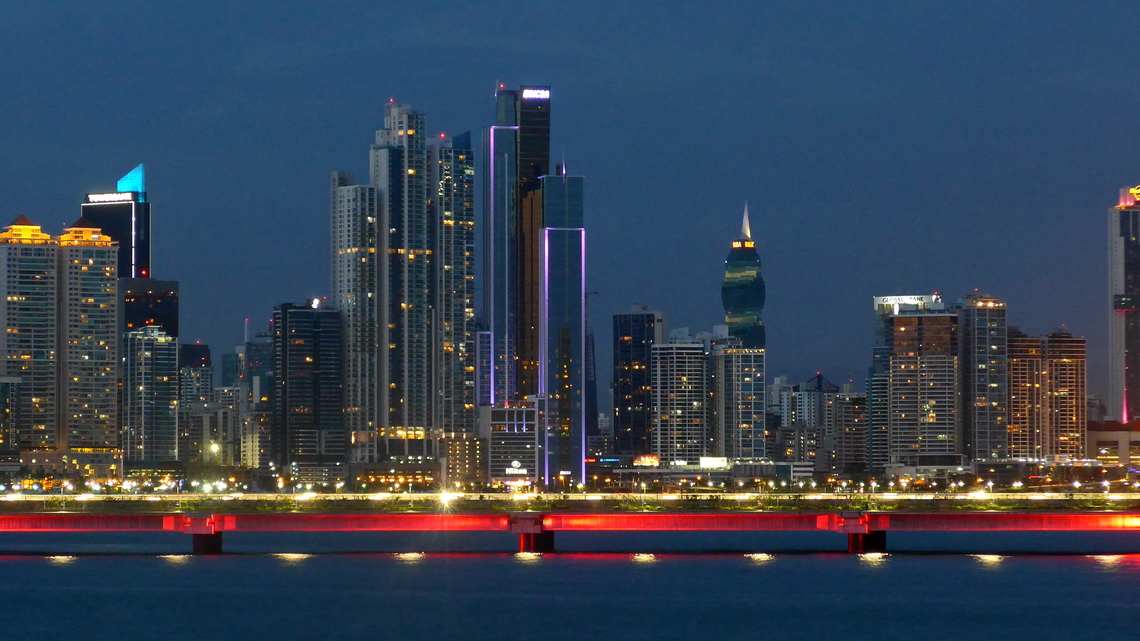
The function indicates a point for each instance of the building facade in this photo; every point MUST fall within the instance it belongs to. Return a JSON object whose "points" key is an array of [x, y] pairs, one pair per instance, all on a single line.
{"points": [[984, 365], [634, 335], [1027, 385], [453, 176], [309, 442], [562, 324], [923, 382], [88, 326], [1124, 307], [680, 401], [150, 395], [517, 151], [124, 215], [359, 268], [879, 374], [59, 349], [739, 387], [743, 292]]}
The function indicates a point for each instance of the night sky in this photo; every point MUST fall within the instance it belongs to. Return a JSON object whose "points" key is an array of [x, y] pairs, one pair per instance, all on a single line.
{"points": [[883, 148]]}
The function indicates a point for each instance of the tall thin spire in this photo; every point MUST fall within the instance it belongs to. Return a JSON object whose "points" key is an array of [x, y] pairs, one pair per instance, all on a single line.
{"points": [[745, 229]]}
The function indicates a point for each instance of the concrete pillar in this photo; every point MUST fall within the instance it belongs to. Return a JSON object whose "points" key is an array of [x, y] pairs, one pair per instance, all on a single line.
{"points": [[861, 542], [207, 543], [536, 542]]}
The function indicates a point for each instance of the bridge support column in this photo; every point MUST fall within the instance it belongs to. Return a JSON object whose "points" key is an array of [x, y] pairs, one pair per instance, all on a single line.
{"points": [[533, 536], [536, 542], [861, 542], [207, 543]]}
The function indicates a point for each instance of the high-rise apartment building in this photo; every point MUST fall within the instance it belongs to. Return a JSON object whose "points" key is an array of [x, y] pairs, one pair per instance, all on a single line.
{"points": [[359, 269], [58, 307], [1124, 306], [851, 433], [196, 374], [387, 276], [88, 329], [1066, 392], [453, 210], [680, 400], [1048, 396], [923, 379], [150, 395], [309, 438], [256, 402], [984, 366], [1026, 395], [739, 387], [399, 171], [124, 215], [28, 311], [879, 374], [634, 335]]}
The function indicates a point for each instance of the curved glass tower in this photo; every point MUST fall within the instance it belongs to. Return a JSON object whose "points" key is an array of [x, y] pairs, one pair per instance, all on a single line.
{"points": [[742, 293]]}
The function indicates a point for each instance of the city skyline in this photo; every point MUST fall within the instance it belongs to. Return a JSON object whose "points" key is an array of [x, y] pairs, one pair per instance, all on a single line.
{"points": [[814, 215]]}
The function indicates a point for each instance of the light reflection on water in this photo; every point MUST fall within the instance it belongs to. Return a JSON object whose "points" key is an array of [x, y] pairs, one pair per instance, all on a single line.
{"points": [[673, 594]]}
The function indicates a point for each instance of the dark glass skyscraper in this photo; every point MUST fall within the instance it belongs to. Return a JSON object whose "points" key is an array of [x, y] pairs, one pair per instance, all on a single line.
{"points": [[742, 293], [308, 423], [562, 335], [125, 216], [635, 334], [147, 301], [518, 154]]}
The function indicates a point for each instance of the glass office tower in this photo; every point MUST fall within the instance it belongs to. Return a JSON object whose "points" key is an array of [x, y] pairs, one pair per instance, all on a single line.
{"points": [[562, 313], [743, 290], [125, 216]]}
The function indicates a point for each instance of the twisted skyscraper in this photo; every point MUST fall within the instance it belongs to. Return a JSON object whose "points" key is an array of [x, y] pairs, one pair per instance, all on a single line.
{"points": [[742, 293]]}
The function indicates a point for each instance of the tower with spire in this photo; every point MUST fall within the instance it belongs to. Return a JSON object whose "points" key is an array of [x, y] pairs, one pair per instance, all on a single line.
{"points": [[742, 292]]}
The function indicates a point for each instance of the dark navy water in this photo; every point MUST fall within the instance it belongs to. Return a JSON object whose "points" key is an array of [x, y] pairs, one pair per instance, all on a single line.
{"points": [[643, 586]]}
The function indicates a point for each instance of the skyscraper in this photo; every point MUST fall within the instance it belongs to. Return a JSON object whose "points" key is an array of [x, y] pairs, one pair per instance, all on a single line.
{"points": [[146, 301], [88, 332], [399, 171], [562, 324], [1048, 395], [499, 300], [453, 211], [739, 394], [634, 335], [150, 395], [310, 442], [28, 311], [879, 374], [518, 156], [680, 400], [1124, 306], [125, 216], [58, 307], [1026, 395], [922, 399], [739, 369], [359, 267], [196, 374], [984, 365], [1066, 394], [742, 293]]}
